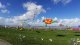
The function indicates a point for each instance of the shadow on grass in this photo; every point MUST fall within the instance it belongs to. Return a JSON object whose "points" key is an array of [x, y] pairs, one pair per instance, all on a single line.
{"points": [[60, 35], [77, 34], [38, 31]]}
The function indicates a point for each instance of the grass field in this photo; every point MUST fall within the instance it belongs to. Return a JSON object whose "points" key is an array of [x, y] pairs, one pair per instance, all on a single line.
{"points": [[33, 37]]}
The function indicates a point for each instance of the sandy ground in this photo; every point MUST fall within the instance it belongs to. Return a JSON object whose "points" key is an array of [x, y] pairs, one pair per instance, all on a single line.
{"points": [[2, 42]]}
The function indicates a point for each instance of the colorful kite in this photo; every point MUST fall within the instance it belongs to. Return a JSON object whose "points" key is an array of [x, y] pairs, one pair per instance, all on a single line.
{"points": [[48, 21]]}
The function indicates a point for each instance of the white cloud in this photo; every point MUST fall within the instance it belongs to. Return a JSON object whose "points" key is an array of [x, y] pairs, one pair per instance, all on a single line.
{"points": [[39, 22], [61, 1], [32, 11], [2, 20], [55, 18], [65, 22], [3, 8], [42, 18], [70, 22], [56, 1], [66, 1], [5, 11]]}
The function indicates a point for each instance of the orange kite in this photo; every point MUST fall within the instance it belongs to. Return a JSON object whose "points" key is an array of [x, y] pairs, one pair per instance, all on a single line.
{"points": [[48, 21]]}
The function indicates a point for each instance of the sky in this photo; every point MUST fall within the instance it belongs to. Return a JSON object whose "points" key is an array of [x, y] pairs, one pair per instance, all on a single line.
{"points": [[33, 12]]}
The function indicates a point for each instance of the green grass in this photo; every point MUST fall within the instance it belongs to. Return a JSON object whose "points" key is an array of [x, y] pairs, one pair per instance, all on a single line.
{"points": [[33, 37]]}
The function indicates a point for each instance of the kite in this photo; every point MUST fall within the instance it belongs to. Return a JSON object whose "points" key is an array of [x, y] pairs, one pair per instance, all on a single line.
{"points": [[48, 21]]}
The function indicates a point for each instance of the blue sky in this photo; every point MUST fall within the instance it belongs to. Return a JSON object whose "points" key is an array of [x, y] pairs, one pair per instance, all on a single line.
{"points": [[61, 9], [70, 10]]}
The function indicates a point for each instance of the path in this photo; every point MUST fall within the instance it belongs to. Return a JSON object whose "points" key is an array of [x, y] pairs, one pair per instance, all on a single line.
{"points": [[2, 42]]}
